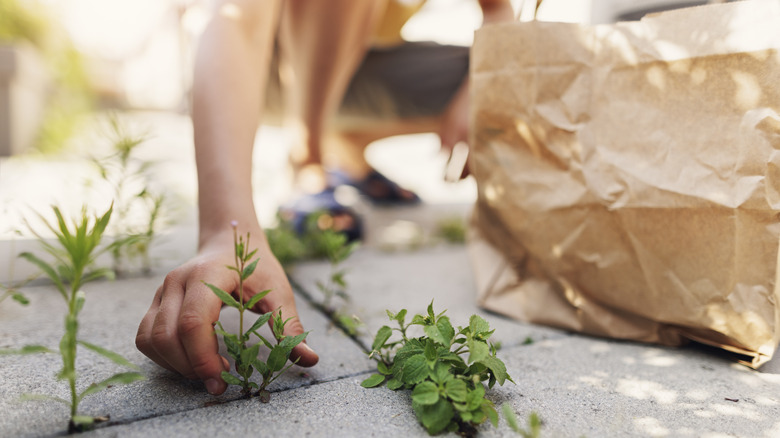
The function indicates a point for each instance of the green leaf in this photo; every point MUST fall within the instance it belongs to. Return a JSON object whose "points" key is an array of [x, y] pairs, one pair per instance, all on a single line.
{"points": [[43, 397], [417, 320], [435, 418], [382, 335], [260, 321], [441, 373], [224, 296], [426, 393], [415, 369], [99, 273], [231, 379], [277, 358], [535, 425], [27, 349], [19, 298], [114, 357], [511, 417], [373, 381], [256, 298], [475, 397], [400, 317], [281, 351], [260, 366], [430, 352], [442, 332], [478, 350], [497, 368], [116, 379], [248, 356], [249, 269], [48, 270], [478, 325], [232, 344], [456, 389], [382, 368], [394, 384], [492, 415]]}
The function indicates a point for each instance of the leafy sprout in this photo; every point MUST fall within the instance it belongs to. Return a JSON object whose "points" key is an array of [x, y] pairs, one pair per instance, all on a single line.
{"points": [[246, 356], [445, 369], [74, 251]]}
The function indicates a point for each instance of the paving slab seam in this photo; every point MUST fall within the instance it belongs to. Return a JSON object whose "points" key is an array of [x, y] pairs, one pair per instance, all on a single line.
{"points": [[109, 424], [300, 290]]}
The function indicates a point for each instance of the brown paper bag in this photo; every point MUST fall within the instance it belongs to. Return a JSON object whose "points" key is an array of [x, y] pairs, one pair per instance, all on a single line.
{"points": [[629, 176]]}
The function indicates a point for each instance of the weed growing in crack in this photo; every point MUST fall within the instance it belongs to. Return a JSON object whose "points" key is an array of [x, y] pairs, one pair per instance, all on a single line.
{"points": [[289, 247], [534, 422], [134, 198], [337, 250], [245, 356], [74, 254], [445, 369]]}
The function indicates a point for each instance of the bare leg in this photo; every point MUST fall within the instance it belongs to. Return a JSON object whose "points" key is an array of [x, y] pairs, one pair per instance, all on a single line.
{"points": [[345, 149]]}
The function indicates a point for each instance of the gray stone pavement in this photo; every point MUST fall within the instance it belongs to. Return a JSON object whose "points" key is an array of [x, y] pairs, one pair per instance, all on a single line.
{"points": [[580, 386]]}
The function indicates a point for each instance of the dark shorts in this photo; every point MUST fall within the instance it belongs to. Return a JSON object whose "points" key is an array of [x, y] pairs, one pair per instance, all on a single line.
{"points": [[411, 81]]}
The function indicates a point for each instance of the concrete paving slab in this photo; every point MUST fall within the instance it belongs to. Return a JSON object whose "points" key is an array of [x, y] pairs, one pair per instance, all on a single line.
{"points": [[590, 387], [380, 281], [110, 319], [341, 408]]}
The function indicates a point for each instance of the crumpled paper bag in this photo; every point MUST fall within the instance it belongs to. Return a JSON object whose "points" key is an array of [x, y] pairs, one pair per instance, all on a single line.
{"points": [[629, 176]]}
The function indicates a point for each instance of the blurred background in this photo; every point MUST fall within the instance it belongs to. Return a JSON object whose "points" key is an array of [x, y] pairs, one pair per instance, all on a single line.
{"points": [[81, 79]]}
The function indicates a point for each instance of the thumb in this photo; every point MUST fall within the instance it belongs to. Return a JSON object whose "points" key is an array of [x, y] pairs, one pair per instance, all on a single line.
{"points": [[304, 355]]}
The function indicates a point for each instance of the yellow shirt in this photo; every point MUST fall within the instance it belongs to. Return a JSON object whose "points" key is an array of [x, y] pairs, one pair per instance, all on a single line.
{"points": [[396, 14]]}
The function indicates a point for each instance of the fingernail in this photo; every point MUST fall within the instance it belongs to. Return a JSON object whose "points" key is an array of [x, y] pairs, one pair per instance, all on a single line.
{"points": [[213, 386]]}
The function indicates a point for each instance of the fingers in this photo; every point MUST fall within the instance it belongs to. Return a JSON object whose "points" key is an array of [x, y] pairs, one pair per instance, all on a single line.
{"points": [[283, 298], [199, 311], [143, 338], [177, 332]]}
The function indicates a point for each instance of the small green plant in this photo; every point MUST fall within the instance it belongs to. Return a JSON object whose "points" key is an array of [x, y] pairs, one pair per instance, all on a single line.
{"points": [[129, 178], [337, 250], [534, 422], [245, 356], [451, 230], [316, 242], [445, 369], [285, 243], [72, 267], [13, 291]]}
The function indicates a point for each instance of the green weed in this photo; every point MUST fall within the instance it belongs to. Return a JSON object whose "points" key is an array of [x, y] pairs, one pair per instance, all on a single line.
{"points": [[76, 248], [130, 180], [445, 370], [245, 356], [534, 422]]}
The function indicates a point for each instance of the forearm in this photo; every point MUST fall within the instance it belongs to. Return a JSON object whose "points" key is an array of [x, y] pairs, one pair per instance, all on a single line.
{"points": [[324, 42], [230, 72], [496, 11]]}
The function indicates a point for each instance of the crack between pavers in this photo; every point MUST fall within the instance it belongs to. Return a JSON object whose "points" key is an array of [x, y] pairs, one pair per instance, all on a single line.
{"points": [[313, 383], [330, 315]]}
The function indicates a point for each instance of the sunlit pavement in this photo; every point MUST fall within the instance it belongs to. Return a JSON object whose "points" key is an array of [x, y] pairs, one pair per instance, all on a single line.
{"points": [[579, 386]]}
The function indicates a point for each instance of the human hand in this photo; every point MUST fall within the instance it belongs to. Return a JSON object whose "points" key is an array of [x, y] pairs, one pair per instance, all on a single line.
{"points": [[177, 331], [454, 131]]}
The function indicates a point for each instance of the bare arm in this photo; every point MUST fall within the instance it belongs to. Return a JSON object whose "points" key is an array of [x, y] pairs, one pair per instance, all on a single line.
{"points": [[454, 125], [231, 67]]}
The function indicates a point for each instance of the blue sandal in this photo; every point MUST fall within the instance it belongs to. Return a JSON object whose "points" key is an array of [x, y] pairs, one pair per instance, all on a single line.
{"points": [[379, 189], [339, 218]]}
